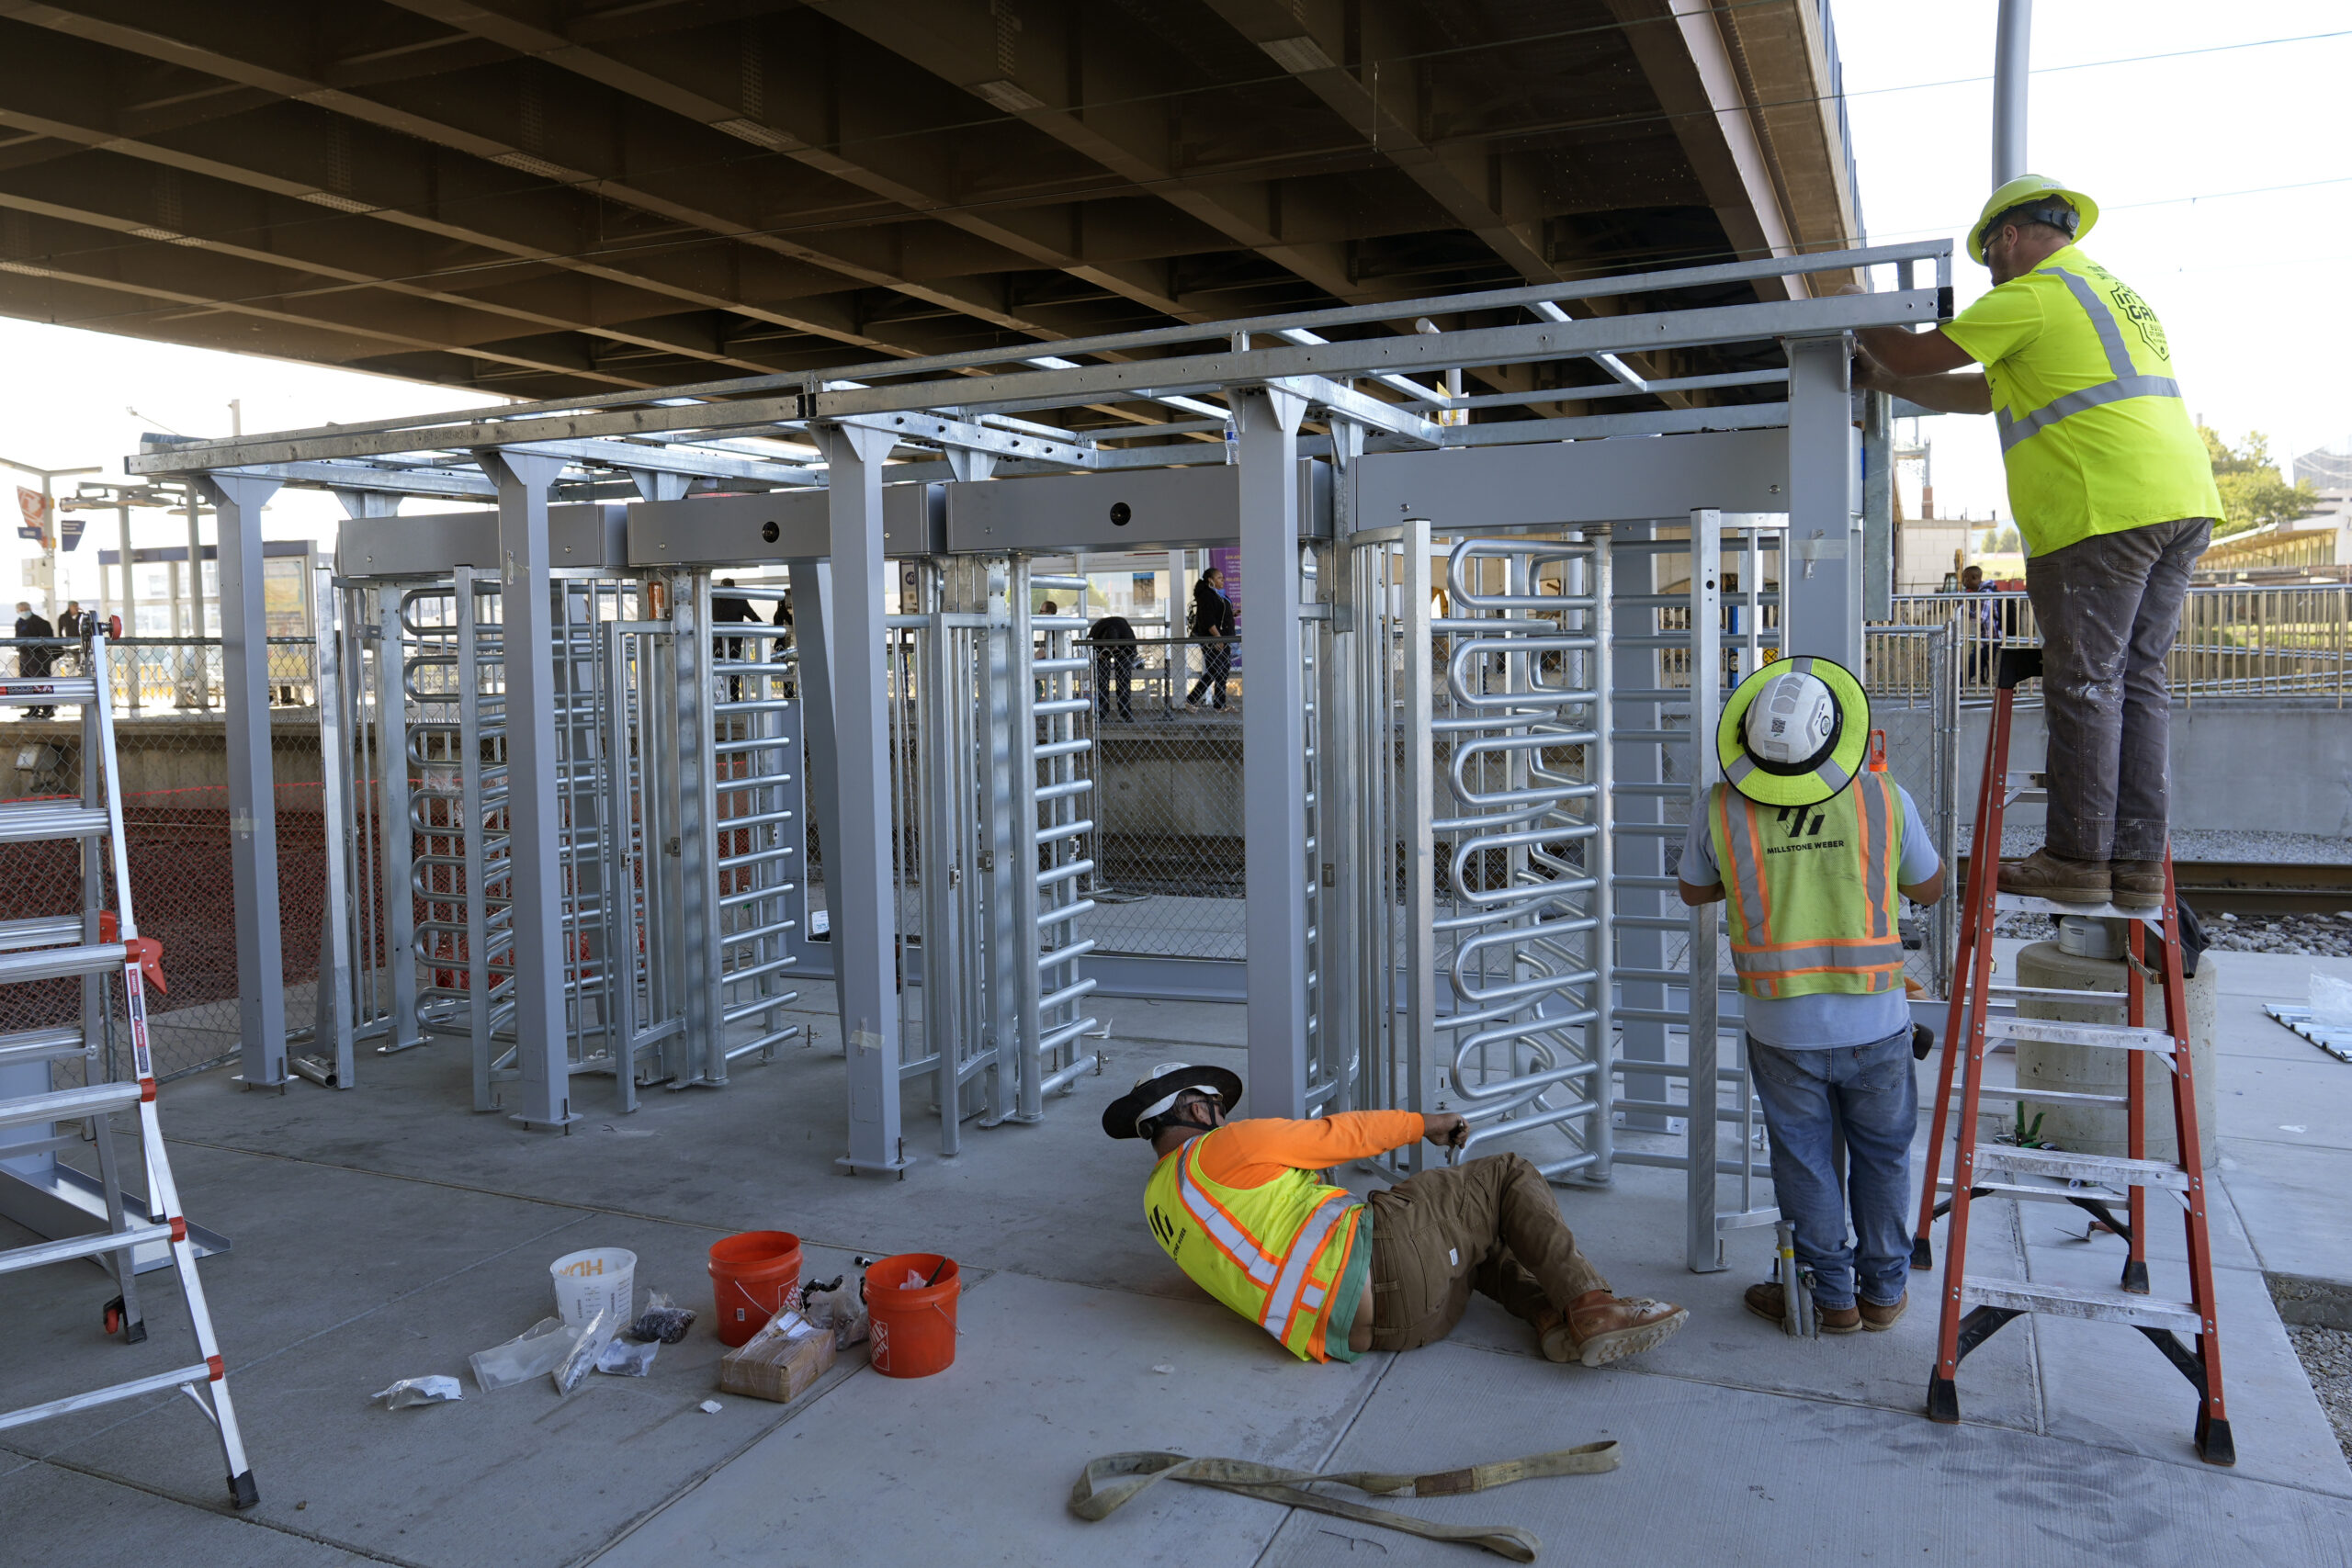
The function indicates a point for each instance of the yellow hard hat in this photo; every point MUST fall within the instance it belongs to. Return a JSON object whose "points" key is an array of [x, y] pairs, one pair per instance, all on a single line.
{"points": [[2030, 189]]}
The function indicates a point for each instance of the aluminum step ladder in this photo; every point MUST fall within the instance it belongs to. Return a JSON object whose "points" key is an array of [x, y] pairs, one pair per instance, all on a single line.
{"points": [[1975, 1307], [90, 943]]}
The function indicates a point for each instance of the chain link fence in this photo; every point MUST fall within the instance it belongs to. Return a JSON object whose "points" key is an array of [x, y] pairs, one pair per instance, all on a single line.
{"points": [[177, 830]]}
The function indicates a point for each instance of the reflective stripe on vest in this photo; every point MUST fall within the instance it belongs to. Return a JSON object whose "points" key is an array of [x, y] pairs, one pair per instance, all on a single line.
{"points": [[2124, 380], [1223, 1228], [1291, 1291], [1853, 946]]}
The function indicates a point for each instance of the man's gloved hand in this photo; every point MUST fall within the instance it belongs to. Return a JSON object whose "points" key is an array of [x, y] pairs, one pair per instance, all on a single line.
{"points": [[1446, 1129]]}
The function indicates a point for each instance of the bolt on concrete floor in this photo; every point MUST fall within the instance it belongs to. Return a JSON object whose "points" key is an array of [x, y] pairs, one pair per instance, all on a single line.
{"points": [[385, 1232]]}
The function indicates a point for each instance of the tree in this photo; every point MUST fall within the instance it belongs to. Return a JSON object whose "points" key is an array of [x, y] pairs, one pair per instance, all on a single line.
{"points": [[2253, 493]]}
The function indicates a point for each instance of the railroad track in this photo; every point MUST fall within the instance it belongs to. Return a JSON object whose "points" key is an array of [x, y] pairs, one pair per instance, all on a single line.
{"points": [[2255, 888]]}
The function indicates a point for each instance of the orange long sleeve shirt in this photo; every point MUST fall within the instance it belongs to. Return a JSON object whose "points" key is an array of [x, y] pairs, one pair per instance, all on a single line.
{"points": [[1253, 1152]]}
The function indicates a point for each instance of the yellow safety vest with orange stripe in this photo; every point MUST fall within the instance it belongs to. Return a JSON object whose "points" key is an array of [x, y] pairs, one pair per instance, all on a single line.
{"points": [[1272, 1253], [1812, 889]]}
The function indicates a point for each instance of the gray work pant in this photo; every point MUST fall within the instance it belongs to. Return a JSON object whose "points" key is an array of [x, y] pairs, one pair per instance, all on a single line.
{"points": [[2109, 608]]}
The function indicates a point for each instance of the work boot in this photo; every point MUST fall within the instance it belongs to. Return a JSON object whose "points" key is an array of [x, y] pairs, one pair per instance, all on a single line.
{"points": [[2137, 884], [1767, 1302], [1599, 1328], [2045, 875], [1877, 1319]]}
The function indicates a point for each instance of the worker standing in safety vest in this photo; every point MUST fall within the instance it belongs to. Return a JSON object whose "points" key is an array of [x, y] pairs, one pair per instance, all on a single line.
{"points": [[1809, 849], [1239, 1208], [2114, 495]]}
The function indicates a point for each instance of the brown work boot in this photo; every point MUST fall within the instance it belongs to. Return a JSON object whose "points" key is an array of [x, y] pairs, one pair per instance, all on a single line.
{"points": [[2137, 884], [2044, 875], [1599, 1328], [1877, 1319], [1767, 1302]]}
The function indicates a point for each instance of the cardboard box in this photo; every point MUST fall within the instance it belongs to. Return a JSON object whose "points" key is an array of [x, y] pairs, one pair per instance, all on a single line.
{"points": [[780, 1361]]}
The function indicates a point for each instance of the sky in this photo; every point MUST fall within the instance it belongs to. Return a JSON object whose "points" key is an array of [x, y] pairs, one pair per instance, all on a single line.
{"points": [[2247, 285], [2223, 176]]}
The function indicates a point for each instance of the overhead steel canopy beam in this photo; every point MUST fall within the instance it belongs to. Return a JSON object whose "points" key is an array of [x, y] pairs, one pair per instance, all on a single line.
{"points": [[425, 432], [969, 437], [1348, 403]]}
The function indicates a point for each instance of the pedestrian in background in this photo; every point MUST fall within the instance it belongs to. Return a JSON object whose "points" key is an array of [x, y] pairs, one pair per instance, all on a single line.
{"points": [[1212, 624], [34, 662], [1114, 664]]}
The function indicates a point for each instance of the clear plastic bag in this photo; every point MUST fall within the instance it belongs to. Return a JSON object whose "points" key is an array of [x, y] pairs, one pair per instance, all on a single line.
{"points": [[535, 1351], [662, 1320], [836, 1306], [418, 1391], [627, 1359], [584, 1353]]}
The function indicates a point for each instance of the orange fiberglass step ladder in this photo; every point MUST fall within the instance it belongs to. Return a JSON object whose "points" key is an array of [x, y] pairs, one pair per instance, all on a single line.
{"points": [[1974, 1307], [90, 943]]}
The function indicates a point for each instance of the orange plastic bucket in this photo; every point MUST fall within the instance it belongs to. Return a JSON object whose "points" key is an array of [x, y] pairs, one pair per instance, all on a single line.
{"points": [[752, 1275], [913, 1326]]}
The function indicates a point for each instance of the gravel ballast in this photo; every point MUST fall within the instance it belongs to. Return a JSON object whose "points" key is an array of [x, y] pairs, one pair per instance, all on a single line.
{"points": [[2326, 1355]]}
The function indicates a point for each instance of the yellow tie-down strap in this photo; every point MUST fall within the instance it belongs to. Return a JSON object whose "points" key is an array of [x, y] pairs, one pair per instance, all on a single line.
{"points": [[1115, 1479]]}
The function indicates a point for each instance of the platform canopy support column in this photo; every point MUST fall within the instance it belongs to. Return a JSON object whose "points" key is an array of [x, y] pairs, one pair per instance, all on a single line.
{"points": [[1274, 743], [237, 501], [534, 823], [1824, 596], [858, 854]]}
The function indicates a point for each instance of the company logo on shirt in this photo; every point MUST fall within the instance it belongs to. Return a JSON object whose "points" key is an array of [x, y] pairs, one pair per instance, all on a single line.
{"points": [[1803, 822]]}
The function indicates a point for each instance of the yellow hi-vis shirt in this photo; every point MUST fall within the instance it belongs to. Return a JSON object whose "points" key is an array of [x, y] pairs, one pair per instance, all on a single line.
{"points": [[2094, 432]]}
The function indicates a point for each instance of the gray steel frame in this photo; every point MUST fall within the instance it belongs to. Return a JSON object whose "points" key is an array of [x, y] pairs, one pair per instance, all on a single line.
{"points": [[1270, 372]]}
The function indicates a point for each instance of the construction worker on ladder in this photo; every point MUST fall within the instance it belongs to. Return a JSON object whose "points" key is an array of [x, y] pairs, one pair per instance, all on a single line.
{"points": [[2113, 494], [1241, 1207], [1808, 847]]}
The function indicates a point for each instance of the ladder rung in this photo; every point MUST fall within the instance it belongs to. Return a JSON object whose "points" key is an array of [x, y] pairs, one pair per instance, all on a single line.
{"points": [[47, 690], [2061, 1097], [2051, 994], [58, 962], [67, 1104], [2060, 1163], [67, 1250], [2021, 903], [30, 821], [160, 1383], [2077, 1301], [41, 931], [41, 1045], [2051, 1031], [2055, 1192]]}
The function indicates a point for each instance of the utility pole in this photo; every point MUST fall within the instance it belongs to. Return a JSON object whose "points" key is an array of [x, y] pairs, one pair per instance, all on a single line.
{"points": [[2012, 67], [47, 570]]}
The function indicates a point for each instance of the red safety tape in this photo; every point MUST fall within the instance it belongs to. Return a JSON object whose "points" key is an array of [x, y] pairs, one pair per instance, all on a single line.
{"points": [[146, 1092], [213, 1364], [179, 1228]]}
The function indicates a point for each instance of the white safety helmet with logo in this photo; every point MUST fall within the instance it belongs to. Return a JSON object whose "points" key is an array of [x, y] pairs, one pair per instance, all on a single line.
{"points": [[1795, 732]]}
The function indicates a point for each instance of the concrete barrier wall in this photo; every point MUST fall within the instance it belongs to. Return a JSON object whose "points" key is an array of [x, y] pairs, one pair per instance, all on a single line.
{"points": [[2270, 766]]}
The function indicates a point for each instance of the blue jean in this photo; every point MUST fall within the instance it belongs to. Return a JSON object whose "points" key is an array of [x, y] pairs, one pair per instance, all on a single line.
{"points": [[1868, 1093]]}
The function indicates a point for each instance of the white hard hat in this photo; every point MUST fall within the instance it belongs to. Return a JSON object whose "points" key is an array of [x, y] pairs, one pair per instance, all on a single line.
{"points": [[1791, 719]]}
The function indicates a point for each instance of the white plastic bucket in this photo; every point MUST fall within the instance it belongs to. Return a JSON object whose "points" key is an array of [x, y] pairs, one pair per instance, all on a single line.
{"points": [[602, 1279]]}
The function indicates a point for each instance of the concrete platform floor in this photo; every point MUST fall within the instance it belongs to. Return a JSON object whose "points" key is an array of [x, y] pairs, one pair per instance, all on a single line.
{"points": [[385, 1233]]}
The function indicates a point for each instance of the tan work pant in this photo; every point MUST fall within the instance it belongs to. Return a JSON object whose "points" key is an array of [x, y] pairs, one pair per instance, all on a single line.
{"points": [[1490, 1224]]}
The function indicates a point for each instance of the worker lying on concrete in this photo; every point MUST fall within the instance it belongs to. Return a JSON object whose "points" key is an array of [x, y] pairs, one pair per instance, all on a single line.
{"points": [[1817, 845], [2113, 493], [1239, 1206]]}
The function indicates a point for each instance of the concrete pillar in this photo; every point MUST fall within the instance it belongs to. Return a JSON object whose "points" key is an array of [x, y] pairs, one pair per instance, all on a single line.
{"points": [[1273, 747], [252, 803], [534, 820], [2087, 1069]]}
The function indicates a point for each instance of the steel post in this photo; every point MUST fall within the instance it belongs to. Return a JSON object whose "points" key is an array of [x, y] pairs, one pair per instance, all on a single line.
{"points": [[1821, 601], [534, 823], [812, 642], [857, 856], [398, 841], [1879, 540], [1273, 741], [2012, 67], [1702, 1249], [253, 804]]}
